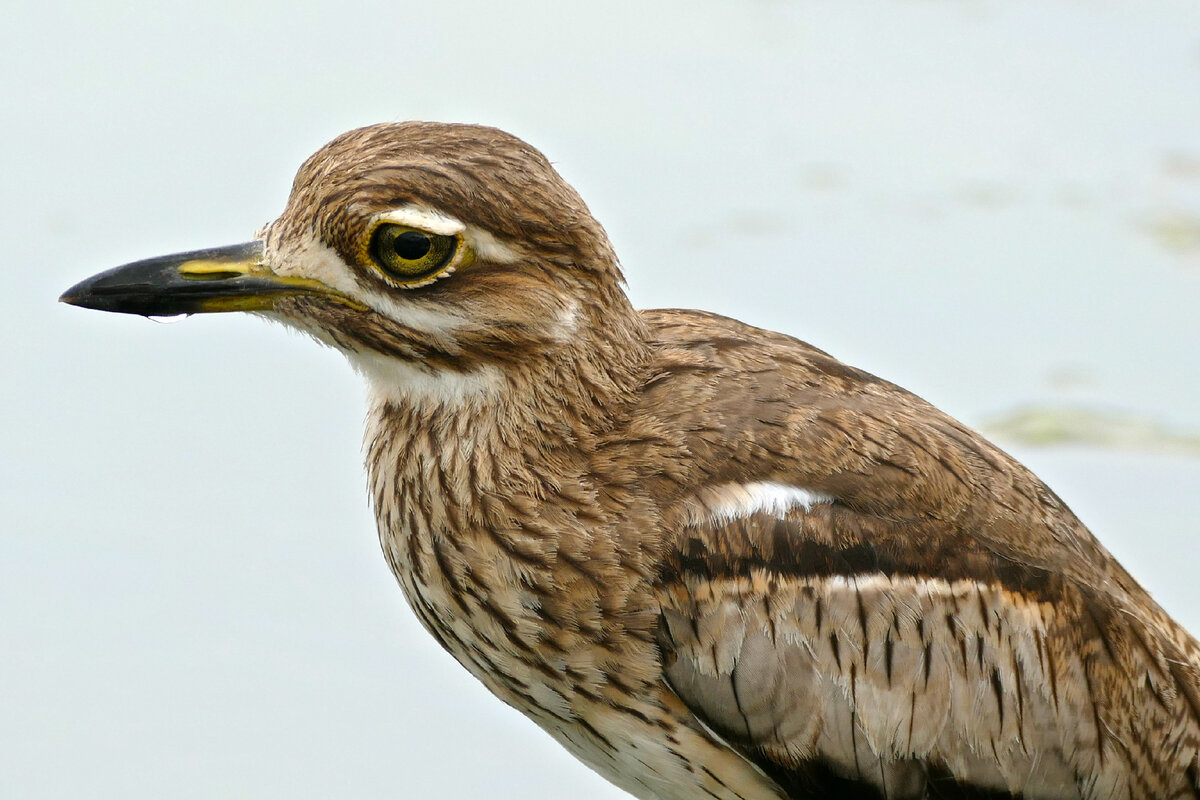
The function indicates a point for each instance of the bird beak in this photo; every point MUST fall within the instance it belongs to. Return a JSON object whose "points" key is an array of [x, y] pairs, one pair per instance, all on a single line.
{"points": [[229, 278]]}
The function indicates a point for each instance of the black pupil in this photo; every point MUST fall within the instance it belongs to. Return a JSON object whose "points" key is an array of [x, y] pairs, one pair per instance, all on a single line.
{"points": [[411, 245]]}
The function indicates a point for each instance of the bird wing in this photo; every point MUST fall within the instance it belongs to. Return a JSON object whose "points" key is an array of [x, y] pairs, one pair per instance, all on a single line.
{"points": [[866, 598]]}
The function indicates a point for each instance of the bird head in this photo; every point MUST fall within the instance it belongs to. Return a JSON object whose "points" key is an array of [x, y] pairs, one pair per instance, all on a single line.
{"points": [[431, 254]]}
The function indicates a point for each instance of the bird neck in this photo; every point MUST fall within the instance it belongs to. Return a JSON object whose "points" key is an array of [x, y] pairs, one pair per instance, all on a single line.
{"points": [[531, 422], [471, 489], [492, 502]]}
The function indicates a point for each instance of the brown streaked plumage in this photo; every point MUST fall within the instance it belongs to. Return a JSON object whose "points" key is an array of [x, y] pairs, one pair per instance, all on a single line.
{"points": [[711, 560]]}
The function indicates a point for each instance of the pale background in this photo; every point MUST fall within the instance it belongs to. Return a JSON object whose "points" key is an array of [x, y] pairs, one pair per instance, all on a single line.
{"points": [[995, 203]]}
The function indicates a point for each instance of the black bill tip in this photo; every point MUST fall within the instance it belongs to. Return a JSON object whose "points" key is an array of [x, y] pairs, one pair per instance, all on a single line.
{"points": [[184, 283]]}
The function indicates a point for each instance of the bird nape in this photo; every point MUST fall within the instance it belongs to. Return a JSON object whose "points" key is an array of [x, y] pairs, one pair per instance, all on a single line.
{"points": [[711, 560]]}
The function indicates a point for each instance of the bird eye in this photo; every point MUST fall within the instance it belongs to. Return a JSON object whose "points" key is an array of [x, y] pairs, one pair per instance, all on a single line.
{"points": [[410, 256]]}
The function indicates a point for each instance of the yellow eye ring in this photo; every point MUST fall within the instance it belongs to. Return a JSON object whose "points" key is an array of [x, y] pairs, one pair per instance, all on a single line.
{"points": [[411, 257]]}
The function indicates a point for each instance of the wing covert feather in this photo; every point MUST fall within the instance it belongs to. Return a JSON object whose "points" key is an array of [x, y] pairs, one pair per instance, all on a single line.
{"points": [[943, 627]]}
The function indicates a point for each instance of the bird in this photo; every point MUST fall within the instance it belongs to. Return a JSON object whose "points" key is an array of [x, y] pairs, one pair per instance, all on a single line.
{"points": [[711, 560]]}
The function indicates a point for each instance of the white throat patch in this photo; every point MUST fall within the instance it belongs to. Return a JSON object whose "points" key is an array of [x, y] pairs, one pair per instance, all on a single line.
{"points": [[407, 384]]}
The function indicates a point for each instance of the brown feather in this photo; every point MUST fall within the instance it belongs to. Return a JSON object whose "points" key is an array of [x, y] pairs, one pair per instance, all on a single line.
{"points": [[558, 536], [712, 560]]}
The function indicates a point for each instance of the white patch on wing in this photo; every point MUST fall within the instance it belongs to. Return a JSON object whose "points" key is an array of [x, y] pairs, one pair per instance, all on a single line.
{"points": [[739, 500]]}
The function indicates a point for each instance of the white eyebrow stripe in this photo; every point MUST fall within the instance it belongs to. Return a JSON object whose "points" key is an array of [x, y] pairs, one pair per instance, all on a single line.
{"points": [[488, 248], [417, 215]]}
